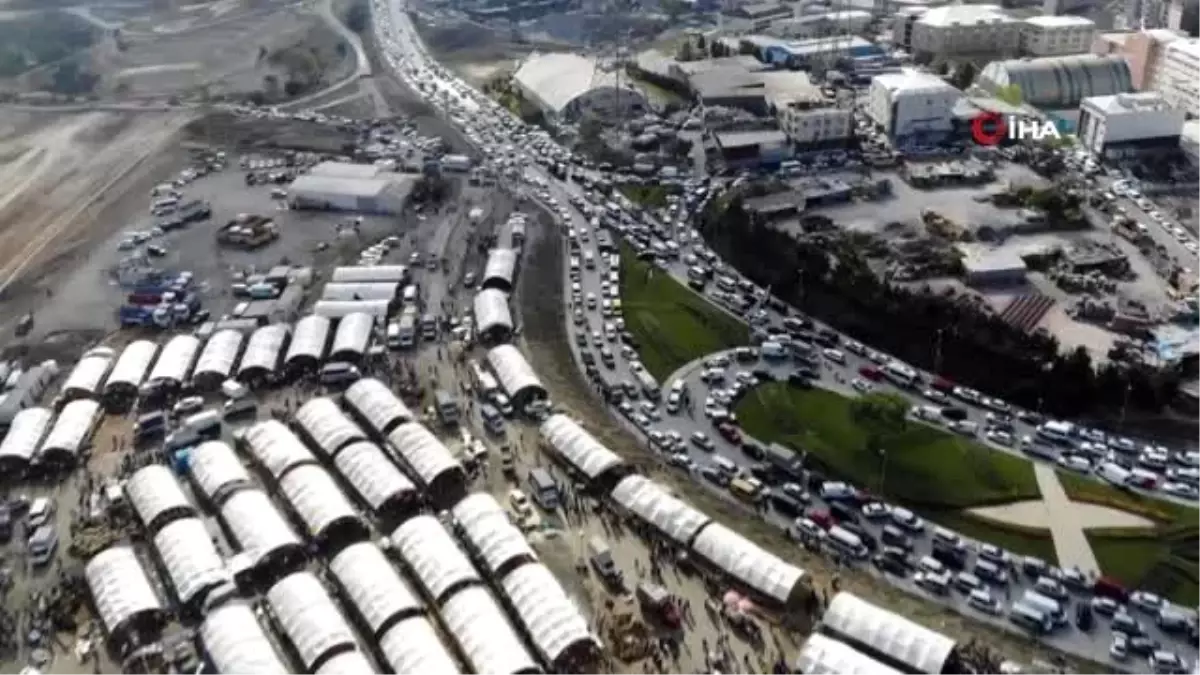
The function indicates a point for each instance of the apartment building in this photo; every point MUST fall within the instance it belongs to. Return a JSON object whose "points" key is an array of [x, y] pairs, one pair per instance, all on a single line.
{"points": [[962, 30], [1129, 125], [816, 128], [1177, 74], [1056, 35], [1143, 51]]}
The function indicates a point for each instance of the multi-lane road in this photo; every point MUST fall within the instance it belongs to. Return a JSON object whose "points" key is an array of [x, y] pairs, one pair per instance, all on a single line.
{"points": [[407, 57]]}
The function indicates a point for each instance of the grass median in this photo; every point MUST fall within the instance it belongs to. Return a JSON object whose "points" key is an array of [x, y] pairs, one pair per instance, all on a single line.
{"points": [[1162, 558], [938, 474], [673, 325]]}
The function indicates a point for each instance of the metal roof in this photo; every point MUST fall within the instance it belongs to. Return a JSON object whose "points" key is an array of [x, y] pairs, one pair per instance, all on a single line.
{"points": [[514, 372], [219, 355], [327, 425], [423, 451], [344, 170], [87, 376], [367, 290], [73, 428], [491, 311], [310, 339], [119, 586], [1060, 81], [371, 274], [501, 266], [337, 309], [174, 363], [654, 505], [276, 448], [309, 187], [484, 634], [25, 434], [191, 559], [822, 655], [153, 491], [132, 366], [376, 404], [860, 623], [215, 467], [372, 474], [745, 561], [412, 646], [487, 528], [264, 349], [236, 642], [551, 618], [347, 663], [309, 617], [373, 585], [581, 450], [316, 498], [353, 334], [256, 525], [433, 556], [554, 80]]}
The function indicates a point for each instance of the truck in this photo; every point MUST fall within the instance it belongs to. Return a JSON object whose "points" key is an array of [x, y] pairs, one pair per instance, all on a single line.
{"points": [[406, 329], [456, 163], [784, 460]]}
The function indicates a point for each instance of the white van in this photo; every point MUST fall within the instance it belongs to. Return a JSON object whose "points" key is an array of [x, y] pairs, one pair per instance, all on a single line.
{"points": [[773, 351], [234, 390], [1113, 473], [1049, 607], [847, 543], [204, 424], [726, 465]]}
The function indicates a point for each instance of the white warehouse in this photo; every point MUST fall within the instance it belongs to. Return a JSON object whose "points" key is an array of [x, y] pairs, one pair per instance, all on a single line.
{"points": [[383, 194], [566, 87], [1127, 125], [912, 107]]}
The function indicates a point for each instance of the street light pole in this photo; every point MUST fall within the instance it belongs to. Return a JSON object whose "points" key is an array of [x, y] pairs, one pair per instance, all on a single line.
{"points": [[882, 470]]}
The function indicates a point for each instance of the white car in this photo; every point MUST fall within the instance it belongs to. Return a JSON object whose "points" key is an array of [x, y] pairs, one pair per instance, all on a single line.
{"points": [[983, 601], [1145, 602], [861, 386], [834, 356], [875, 510], [907, 519]]}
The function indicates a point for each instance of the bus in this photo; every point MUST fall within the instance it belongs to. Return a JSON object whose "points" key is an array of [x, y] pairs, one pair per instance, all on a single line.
{"points": [[649, 384]]}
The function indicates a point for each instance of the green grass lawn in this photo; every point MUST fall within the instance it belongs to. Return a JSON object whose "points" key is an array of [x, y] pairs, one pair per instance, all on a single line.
{"points": [[649, 196], [672, 324], [1162, 559], [936, 473]]}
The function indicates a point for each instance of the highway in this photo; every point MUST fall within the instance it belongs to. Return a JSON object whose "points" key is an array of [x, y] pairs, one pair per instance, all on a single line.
{"points": [[407, 57]]}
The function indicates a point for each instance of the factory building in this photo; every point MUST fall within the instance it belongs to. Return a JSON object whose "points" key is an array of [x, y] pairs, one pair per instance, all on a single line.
{"points": [[964, 30], [358, 188], [1128, 125], [752, 149], [1058, 82], [992, 268], [822, 24], [805, 53], [566, 87], [1177, 75], [1056, 35], [912, 107]]}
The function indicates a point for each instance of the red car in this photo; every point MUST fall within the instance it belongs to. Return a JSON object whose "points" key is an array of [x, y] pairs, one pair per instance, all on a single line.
{"points": [[870, 373], [730, 433]]}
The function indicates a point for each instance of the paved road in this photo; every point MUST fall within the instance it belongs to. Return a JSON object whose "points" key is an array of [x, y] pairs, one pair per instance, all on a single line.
{"points": [[1067, 530]]}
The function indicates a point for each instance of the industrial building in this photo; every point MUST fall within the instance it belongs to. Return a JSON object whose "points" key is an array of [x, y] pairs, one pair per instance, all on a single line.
{"points": [[814, 129], [752, 149], [566, 87], [358, 188], [988, 267], [912, 107], [1056, 35], [964, 30], [1128, 125], [1177, 75], [762, 14], [1058, 82], [805, 53], [823, 24]]}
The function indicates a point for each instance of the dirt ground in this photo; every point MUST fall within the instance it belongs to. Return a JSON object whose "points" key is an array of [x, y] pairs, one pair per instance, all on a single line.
{"points": [[63, 176]]}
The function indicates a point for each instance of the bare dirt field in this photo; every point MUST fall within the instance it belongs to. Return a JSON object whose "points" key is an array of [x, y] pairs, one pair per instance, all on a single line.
{"points": [[63, 176]]}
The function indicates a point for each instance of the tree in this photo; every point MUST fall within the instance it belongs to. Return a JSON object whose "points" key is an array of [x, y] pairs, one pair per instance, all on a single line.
{"points": [[964, 76], [1010, 94], [881, 416]]}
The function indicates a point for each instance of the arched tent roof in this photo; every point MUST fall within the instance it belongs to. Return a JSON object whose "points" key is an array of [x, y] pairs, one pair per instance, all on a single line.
{"points": [[215, 468], [87, 376], [579, 448], [276, 448], [515, 374], [353, 335], [412, 646], [264, 350], [484, 634], [236, 643], [72, 430], [367, 290], [885, 635], [1060, 81], [500, 270], [552, 620], [130, 370], [488, 530], [256, 525], [376, 405], [337, 309], [120, 587], [743, 560], [347, 663], [365, 275], [25, 435], [309, 617], [328, 426], [373, 475], [423, 452], [374, 586], [316, 498], [156, 497], [430, 551], [491, 311], [219, 355], [309, 340], [823, 655], [192, 562], [174, 363], [654, 505]]}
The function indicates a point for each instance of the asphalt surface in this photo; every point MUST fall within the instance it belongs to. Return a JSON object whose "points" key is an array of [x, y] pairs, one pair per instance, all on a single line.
{"points": [[406, 56]]}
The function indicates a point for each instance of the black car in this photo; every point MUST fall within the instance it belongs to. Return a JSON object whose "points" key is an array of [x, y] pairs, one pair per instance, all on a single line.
{"points": [[588, 358], [753, 450], [892, 561], [954, 414], [1142, 645], [786, 504], [763, 375], [799, 381], [894, 537], [844, 513], [1083, 616]]}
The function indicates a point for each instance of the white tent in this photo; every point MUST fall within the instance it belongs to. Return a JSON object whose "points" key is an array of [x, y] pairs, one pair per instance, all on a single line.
{"points": [[309, 617], [745, 561], [120, 587], [276, 448], [882, 634], [328, 426], [25, 435], [317, 500], [486, 526], [580, 449], [87, 376], [174, 363], [156, 497], [337, 309], [366, 275], [500, 270], [492, 316], [353, 336], [430, 551], [186, 549], [822, 655], [373, 476], [236, 643], [373, 585], [376, 405], [346, 663], [263, 351], [378, 290], [515, 374], [131, 368], [72, 431], [309, 341], [412, 646], [218, 357], [484, 634], [216, 469], [423, 451], [654, 505], [552, 620], [257, 527]]}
